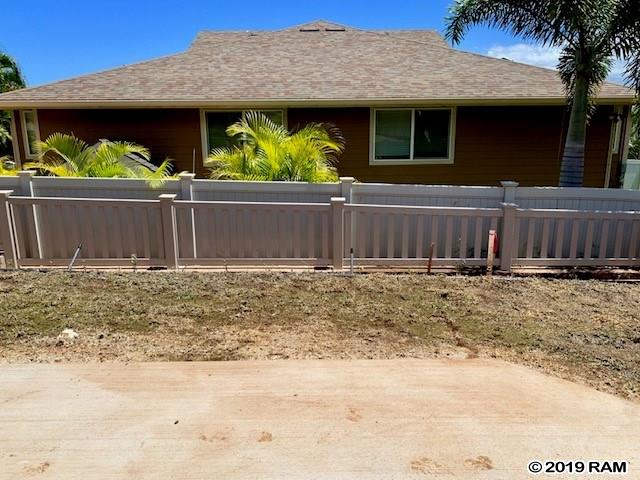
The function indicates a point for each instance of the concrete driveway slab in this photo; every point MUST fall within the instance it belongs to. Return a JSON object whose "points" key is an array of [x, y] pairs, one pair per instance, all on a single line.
{"points": [[394, 419]]}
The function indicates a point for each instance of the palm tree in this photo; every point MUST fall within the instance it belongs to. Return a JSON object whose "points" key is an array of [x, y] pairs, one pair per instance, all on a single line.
{"points": [[64, 155], [10, 75], [590, 34], [634, 147], [267, 151], [10, 79]]}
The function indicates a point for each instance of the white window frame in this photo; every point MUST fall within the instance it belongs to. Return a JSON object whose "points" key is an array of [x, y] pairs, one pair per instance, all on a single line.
{"points": [[14, 141], [25, 138], [204, 131], [410, 161]]}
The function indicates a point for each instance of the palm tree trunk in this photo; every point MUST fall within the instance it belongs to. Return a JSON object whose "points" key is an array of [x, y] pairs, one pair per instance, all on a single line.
{"points": [[572, 166]]}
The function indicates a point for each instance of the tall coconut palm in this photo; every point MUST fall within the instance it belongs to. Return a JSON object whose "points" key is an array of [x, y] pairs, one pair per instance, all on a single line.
{"points": [[590, 35], [10, 79], [64, 155], [634, 147], [267, 151]]}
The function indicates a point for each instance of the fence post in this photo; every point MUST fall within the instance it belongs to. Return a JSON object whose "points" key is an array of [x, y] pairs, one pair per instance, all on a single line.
{"points": [[507, 240], [346, 191], [169, 229], [26, 182], [26, 190], [186, 185], [337, 209], [510, 189], [7, 233], [346, 188], [186, 193]]}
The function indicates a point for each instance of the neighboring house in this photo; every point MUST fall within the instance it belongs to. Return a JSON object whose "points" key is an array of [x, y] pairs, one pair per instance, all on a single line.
{"points": [[412, 109]]}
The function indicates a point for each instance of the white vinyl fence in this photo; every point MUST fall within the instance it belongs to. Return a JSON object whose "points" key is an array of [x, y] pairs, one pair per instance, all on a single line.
{"points": [[188, 188], [172, 233]]}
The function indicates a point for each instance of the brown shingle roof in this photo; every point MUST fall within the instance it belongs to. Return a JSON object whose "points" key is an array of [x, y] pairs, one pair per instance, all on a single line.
{"points": [[318, 61]]}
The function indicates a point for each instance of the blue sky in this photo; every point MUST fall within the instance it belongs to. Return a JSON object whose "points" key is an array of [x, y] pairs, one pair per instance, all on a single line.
{"points": [[53, 40]]}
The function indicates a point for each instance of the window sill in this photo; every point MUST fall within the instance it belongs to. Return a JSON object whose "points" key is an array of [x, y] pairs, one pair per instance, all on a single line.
{"points": [[423, 161]]}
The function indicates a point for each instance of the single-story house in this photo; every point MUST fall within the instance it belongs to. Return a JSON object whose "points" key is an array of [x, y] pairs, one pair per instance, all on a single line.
{"points": [[412, 109]]}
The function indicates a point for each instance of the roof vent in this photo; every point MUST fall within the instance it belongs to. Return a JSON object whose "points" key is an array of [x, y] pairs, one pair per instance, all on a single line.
{"points": [[334, 29], [309, 29]]}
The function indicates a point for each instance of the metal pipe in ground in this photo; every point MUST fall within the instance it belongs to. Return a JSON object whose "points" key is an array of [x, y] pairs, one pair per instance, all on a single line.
{"points": [[75, 257], [431, 250]]}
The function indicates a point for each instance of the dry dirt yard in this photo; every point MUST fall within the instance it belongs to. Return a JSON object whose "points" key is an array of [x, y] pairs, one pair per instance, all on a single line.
{"points": [[586, 331]]}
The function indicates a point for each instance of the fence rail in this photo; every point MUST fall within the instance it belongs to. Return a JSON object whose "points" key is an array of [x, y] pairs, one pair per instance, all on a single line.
{"points": [[188, 188], [174, 233]]}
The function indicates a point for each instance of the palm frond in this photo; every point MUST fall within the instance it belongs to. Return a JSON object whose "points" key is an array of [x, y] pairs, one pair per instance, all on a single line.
{"points": [[53, 169], [270, 153], [67, 156], [545, 21], [155, 178], [62, 147]]}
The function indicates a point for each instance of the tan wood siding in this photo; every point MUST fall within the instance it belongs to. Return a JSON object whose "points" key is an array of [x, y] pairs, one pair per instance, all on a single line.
{"points": [[492, 144], [173, 133]]}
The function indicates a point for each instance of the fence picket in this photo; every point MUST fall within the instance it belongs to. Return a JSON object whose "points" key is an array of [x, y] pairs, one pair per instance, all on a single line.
{"points": [[559, 238], [448, 238], [145, 227], [477, 244], [391, 233], [376, 236], [573, 249], [325, 235], [633, 243], [420, 236], [311, 248], [434, 234], [588, 242], [617, 248], [531, 230], [604, 238], [361, 222], [259, 233], [405, 237], [463, 237]]}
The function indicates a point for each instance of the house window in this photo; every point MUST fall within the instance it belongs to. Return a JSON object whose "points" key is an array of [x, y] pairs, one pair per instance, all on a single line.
{"points": [[217, 123], [30, 132], [413, 136]]}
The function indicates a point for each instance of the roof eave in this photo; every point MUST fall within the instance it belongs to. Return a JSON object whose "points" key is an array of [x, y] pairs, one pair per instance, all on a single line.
{"points": [[294, 102]]}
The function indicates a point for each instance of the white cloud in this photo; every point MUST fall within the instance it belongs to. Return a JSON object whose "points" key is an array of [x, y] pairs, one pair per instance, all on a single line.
{"points": [[532, 54], [546, 57]]}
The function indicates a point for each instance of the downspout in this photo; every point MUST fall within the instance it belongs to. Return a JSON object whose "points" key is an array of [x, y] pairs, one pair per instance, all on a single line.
{"points": [[14, 140], [625, 144], [615, 122], [614, 145]]}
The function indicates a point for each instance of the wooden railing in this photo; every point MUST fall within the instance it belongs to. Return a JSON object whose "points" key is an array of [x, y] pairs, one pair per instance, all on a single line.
{"points": [[175, 233]]}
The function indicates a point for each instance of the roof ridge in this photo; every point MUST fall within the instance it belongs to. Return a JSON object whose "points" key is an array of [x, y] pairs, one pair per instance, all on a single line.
{"points": [[315, 22], [387, 33], [465, 52]]}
